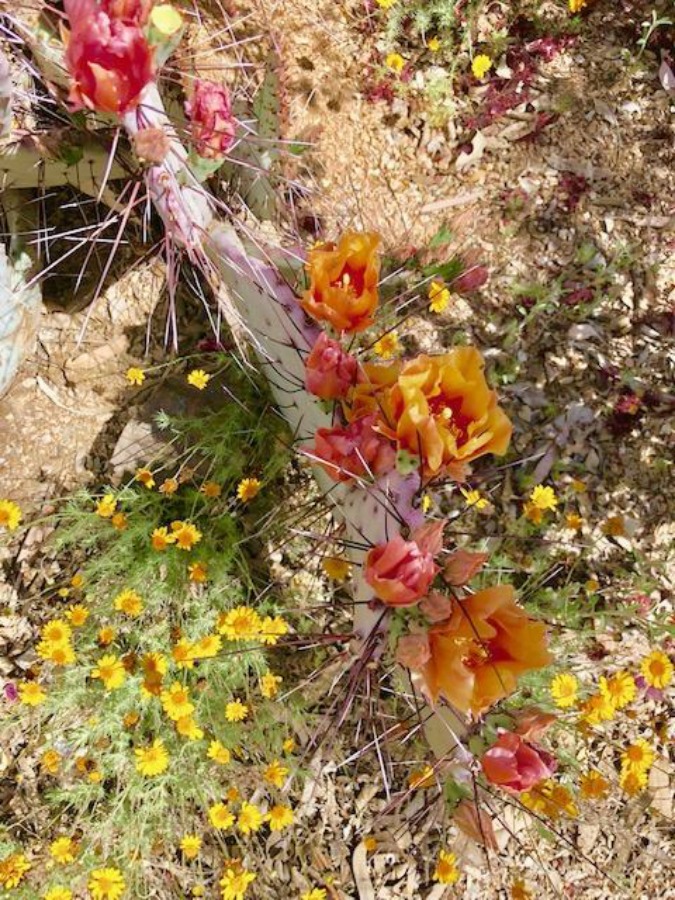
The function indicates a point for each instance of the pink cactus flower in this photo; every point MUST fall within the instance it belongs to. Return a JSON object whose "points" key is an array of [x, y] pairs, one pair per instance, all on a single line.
{"points": [[213, 125], [109, 60], [133, 12], [413, 651], [461, 566], [353, 451], [429, 537], [513, 764], [329, 370], [399, 572]]}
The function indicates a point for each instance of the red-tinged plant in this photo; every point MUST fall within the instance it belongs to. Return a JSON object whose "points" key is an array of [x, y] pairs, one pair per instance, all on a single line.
{"points": [[343, 282], [461, 566], [213, 127], [399, 572], [110, 62], [329, 371], [437, 607], [514, 765], [475, 824], [482, 649], [352, 451]]}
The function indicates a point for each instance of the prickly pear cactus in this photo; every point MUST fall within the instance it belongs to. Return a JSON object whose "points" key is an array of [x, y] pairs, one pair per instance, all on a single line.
{"points": [[19, 315]]}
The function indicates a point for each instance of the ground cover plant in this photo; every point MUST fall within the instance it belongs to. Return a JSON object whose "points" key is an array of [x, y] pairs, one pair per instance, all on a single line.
{"points": [[340, 601]]}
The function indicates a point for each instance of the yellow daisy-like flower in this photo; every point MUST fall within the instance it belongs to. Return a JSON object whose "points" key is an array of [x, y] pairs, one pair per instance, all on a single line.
{"points": [[206, 647], [271, 629], [235, 881], [12, 870], [446, 871], [106, 635], [315, 894], [289, 745], [633, 782], [176, 702], [145, 477], [620, 689], [51, 761], [475, 499], [248, 488], [31, 693], [218, 753], [129, 603], [638, 757], [188, 728], [336, 568], [198, 379], [280, 817], [63, 850], [439, 296], [185, 534], [169, 486], [574, 522], [275, 774], [106, 884], [421, 778], [10, 515], [135, 375], [236, 711], [58, 893], [152, 760], [434, 44], [105, 508], [211, 490], [160, 539], [657, 670], [543, 498], [77, 615], [269, 685], [59, 653], [233, 795], [220, 816], [119, 521], [593, 786], [56, 632], [240, 624], [481, 65], [564, 689], [198, 572], [250, 818], [190, 846], [387, 346], [597, 708], [394, 61], [111, 671], [577, 5], [385, 4], [181, 654]]}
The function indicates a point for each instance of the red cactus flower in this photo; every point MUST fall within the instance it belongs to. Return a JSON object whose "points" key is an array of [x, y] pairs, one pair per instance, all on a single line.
{"points": [[353, 451], [109, 60], [329, 371], [399, 572], [133, 12], [213, 125], [515, 765]]}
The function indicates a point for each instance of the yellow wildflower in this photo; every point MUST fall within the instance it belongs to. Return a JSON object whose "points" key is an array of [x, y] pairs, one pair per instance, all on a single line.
{"points": [[289, 745], [58, 893], [620, 689], [198, 379], [111, 671], [190, 846], [10, 515], [169, 486], [638, 757], [105, 508], [51, 761], [236, 711], [248, 488], [250, 818], [106, 884], [31, 693], [280, 817], [446, 871], [657, 669], [543, 498], [218, 753], [633, 781], [240, 624], [385, 4], [206, 647], [433, 44], [145, 477], [387, 346], [211, 490], [106, 635], [185, 534], [135, 375], [176, 702], [577, 5], [152, 760], [475, 498], [394, 61], [187, 727], [593, 786], [160, 539], [574, 522], [56, 631], [439, 296], [597, 708], [275, 774], [77, 615], [271, 629], [63, 850], [421, 778], [564, 688], [181, 654], [481, 65], [269, 685], [337, 569], [119, 521], [235, 881], [129, 603], [198, 572], [220, 816], [12, 870], [314, 894]]}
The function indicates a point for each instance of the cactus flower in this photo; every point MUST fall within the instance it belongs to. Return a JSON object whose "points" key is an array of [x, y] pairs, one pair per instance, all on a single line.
{"points": [[213, 125], [412, 650], [329, 371], [399, 572], [461, 566], [513, 764], [133, 12], [109, 60], [343, 282], [479, 652], [353, 450]]}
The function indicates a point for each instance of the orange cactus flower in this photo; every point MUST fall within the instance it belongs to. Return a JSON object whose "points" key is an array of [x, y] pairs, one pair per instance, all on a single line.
{"points": [[478, 654], [399, 571], [329, 370], [343, 282]]}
